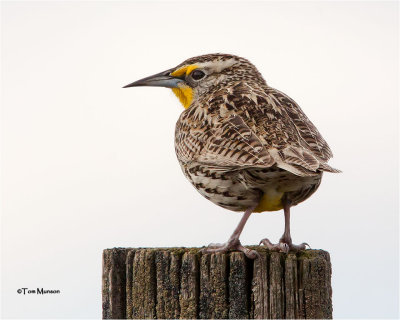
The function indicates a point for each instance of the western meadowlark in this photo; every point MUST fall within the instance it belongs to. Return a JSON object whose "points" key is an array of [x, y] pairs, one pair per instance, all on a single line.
{"points": [[242, 144]]}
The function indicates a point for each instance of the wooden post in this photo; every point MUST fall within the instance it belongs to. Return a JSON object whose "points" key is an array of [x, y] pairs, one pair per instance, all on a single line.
{"points": [[182, 283]]}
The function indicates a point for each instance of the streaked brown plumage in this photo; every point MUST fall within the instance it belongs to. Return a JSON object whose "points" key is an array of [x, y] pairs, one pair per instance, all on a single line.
{"points": [[242, 144]]}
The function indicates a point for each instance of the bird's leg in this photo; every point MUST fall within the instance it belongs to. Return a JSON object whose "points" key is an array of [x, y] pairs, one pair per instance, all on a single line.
{"points": [[286, 238], [234, 243], [285, 242]]}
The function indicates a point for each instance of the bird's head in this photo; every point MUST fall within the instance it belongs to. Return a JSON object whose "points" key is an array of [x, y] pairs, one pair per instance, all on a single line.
{"points": [[199, 75]]}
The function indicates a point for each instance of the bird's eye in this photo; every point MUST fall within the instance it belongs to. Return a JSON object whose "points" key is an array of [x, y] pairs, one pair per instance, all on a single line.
{"points": [[197, 74]]}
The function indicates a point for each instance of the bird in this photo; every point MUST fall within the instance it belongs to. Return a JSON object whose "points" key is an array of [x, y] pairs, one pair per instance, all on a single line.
{"points": [[242, 144]]}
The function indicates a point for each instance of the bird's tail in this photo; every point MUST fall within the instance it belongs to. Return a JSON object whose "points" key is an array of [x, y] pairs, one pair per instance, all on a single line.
{"points": [[328, 168]]}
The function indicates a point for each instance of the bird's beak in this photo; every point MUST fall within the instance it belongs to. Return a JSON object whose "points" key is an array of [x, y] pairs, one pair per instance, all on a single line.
{"points": [[162, 79]]}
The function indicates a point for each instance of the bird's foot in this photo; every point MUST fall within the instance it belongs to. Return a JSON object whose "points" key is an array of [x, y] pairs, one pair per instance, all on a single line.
{"points": [[284, 245], [231, 244]]}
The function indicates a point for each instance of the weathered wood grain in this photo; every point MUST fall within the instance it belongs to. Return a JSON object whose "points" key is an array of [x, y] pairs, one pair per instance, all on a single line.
{"points": [[168, 268], [214, 287], [190, 286], [114, 279], [239, 286], [260, 288], [173, 283]]}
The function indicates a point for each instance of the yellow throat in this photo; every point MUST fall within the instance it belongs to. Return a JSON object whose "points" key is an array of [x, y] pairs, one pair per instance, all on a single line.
{"points": [[184, 93]]}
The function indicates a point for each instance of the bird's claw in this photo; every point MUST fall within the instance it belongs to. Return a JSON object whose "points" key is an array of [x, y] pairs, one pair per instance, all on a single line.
{"points": [[282, 246], [228, 246]]}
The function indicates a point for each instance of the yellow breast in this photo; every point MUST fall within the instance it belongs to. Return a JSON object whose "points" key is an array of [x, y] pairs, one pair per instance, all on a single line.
{"points": [[271, 201]]}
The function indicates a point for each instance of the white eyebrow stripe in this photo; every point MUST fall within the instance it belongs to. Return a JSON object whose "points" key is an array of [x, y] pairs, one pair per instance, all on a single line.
{"points": [[217, 66]]}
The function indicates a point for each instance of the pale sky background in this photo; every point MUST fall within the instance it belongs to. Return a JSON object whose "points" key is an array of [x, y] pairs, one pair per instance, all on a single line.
{"points": [[87, 165]]}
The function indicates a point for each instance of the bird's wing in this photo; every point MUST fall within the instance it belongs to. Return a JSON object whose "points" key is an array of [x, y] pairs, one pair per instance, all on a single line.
{"points": [[286, 132], [225, 143], [310, 137], [242, 127]]}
